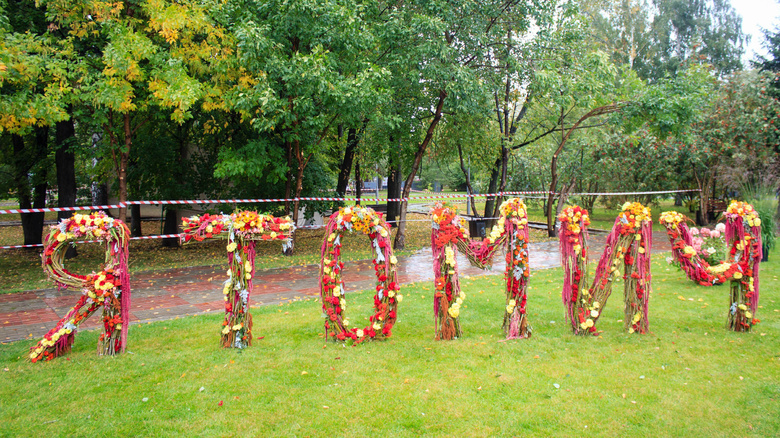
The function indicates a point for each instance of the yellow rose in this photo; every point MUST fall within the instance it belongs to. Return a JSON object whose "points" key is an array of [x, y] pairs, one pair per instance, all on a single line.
{"points": [[400, 298], [226, 330], [359, 333], [737, 275]]}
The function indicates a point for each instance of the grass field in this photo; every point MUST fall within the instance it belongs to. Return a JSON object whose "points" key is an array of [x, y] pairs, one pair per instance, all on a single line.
{"points": [[689, 377]]}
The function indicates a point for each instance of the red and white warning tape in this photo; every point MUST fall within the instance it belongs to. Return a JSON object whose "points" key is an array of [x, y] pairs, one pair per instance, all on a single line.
{"points": [[156, 236], [257, 201]]}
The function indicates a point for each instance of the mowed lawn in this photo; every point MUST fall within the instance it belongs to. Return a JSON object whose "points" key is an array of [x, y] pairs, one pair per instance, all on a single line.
{"points": [[689, 377]]}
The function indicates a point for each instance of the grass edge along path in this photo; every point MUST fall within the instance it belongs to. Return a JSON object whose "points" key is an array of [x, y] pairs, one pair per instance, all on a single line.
{"points": [[688, 377]]}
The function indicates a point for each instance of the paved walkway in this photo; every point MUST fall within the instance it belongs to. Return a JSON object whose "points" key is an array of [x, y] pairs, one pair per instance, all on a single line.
{"points": [[161, 295]]}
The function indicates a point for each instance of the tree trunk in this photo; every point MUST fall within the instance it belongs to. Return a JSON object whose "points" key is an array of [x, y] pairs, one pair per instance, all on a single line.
{"points": [[393, 190], [400, 237], [704, 197], [288, 182], [32, 223], [66, 172], [346, 164], [135, 221], [502, 185], [124, 156], [171, 226], [358, 181], [490, 202], [606, 109], [467, 174]]}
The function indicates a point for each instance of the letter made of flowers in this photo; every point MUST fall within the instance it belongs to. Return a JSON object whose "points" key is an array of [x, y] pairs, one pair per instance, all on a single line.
{"points": [[447, 228], [512, 229], [109, 288], [337, 327], [743, 237], [628, 246], [242, 230]]}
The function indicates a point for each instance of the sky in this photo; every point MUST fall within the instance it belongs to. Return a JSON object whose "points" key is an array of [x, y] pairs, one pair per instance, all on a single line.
{"points": [[756, 15]]}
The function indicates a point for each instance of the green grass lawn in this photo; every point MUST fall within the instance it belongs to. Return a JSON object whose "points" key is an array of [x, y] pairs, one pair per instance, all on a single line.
{"points": [[689, 377]]}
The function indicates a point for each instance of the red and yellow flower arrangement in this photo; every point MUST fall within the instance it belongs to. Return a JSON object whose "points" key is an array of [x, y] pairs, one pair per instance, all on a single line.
{"points": [[447, 229], [628, 247], [109, 288], [242, 230], [743, 236], [366, 221]]}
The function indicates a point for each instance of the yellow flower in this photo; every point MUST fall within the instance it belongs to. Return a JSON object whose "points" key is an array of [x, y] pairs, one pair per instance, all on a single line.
{"points": [[273, 235], [61, 237], [594, 313], [231, 246], [359, 333], [757, 222], [737, 275], [248, 276], [377, 326], [226, 330], [237, 327], [346, 323], [400, 298], [393, 260], [748, 315]]}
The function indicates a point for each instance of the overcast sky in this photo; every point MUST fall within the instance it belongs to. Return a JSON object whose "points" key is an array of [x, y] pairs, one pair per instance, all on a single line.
{"points": [[756, 15]]}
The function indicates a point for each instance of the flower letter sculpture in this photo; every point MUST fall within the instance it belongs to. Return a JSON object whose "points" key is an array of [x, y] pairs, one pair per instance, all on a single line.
{"points": [[109, 288], [743, 235], [629, 245], [512, 228], [337, 327], [447, 230], [243, 229]]}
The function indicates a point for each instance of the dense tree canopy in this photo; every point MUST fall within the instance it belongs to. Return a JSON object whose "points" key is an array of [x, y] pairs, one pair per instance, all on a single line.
{"points": [[286, 98]]}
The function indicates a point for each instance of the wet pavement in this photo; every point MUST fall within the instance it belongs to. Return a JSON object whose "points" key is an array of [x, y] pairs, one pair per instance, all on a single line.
{"points": [[162, 295]]}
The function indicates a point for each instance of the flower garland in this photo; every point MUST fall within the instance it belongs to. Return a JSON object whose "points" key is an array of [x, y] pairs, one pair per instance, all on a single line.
{"points": [[628, 246], [109, 287], [573, 238], [447, 228], [743, 235], [518, 270], [337, 327], [448, 231], [242, 229]]}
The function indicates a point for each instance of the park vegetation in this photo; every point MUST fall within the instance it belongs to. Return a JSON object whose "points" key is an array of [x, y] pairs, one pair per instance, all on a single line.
{"points": [[152, 99]]}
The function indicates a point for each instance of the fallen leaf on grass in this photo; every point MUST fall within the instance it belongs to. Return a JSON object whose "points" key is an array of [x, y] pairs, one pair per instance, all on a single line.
{"points": [[220, 403], [303, 373]]}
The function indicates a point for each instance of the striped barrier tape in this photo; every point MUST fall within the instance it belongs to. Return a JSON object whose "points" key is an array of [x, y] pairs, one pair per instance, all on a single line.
{"points": [[257, 201]]}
